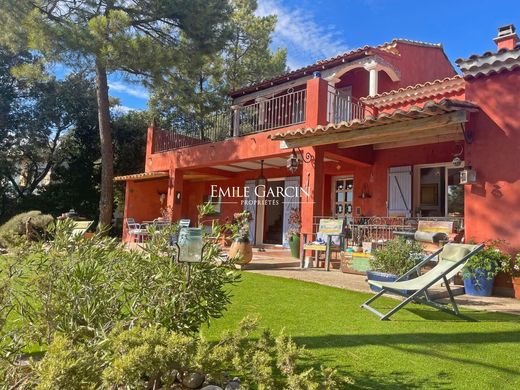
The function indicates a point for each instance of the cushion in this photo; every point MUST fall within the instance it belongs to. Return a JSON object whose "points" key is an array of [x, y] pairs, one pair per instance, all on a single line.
{"points": [[454, 253], [429, 236]]}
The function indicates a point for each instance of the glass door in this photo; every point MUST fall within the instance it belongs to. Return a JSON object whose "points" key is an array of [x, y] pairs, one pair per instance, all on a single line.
{"points": [[343, 196]]}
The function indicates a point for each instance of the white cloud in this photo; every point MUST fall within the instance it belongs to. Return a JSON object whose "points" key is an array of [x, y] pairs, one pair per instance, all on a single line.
{"points": [[129, 89], [305, 38], [123, 109]]}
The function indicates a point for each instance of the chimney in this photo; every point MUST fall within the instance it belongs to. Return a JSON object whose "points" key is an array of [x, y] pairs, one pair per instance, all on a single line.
{"points": [[506, 38]]}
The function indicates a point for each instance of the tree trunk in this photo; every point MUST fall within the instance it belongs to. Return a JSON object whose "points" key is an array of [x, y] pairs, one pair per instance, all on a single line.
{"points": [[105, 136]]}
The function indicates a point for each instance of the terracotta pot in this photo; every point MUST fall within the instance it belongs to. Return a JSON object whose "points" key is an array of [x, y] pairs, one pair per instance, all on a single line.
{"points": [[243, 249], [516, 286]]}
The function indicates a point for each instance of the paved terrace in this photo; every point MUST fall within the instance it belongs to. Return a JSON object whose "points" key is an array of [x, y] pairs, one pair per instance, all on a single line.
{"points": [[278, 262]]}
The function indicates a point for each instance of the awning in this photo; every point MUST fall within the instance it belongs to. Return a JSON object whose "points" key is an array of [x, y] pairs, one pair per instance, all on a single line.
{"points": [[431, 119], [143, 176]]}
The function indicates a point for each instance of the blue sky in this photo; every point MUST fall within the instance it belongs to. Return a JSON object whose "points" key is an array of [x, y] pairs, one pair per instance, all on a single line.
{"points": [[316, 29]]}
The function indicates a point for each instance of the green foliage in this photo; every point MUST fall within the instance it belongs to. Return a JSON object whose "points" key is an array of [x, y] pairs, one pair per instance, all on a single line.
{"points": [[204, 210], [195, 90], [154, 357], [13, 231], [68, 365], [83, 287], [491, 260], [396, 257]]}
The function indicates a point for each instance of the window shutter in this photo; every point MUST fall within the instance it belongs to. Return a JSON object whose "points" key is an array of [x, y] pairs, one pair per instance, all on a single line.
{"points": [[400, 191], [289, 204], [251, 207]]}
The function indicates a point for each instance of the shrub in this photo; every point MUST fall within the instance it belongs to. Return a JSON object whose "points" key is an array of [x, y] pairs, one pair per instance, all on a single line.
{"points": [[397, 256], [14, 229], [491, 260], [82, 287], [154, 357]]}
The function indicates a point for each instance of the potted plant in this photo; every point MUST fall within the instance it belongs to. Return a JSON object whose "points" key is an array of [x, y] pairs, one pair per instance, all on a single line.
{"points": [[241, 247], [479, 272], [395, 258], [515, 273], [293, 234]]}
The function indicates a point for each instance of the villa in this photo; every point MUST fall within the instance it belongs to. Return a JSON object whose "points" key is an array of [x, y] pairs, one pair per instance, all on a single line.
{"points": [[389, 132]]}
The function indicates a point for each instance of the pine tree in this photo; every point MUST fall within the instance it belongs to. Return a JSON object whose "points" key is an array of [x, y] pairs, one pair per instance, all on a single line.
{"points": [[141, 37]]}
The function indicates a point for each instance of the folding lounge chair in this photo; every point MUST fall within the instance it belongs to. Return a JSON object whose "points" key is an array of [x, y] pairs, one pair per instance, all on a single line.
{"points": [[451, 259], [80, 228]]}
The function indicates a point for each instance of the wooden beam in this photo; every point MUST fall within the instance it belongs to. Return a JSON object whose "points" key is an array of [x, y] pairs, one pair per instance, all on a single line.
{"points": [[377, 132], [420, 141], [403, 136]]}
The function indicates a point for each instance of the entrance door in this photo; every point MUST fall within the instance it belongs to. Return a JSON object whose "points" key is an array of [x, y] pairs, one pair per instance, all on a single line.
{"points": [[291, 201], [274, 212], [343, 197]]}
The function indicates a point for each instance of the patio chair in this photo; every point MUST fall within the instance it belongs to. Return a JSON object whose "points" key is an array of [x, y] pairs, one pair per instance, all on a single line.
{"points": [[327, 231], [451, 259], [136, 230], [80, 228]]}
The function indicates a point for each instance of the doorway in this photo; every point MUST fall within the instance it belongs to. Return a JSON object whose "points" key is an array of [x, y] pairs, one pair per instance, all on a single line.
{"points": [[273, 213]]}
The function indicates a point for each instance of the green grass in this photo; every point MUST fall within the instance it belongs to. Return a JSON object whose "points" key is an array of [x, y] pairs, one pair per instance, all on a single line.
{"points": [[420, 348]]}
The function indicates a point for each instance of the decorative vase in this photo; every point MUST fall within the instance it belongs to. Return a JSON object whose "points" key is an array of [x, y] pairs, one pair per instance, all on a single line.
{"points": [[294, 244], [516, 286], [478, 284], [241, 248]]}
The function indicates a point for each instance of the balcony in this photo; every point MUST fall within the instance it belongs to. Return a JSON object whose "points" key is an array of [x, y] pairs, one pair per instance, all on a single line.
{"points": [[264, 114]]}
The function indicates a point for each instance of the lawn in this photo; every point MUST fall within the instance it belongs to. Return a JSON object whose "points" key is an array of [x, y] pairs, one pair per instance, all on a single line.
{"points": [[419, 349]]}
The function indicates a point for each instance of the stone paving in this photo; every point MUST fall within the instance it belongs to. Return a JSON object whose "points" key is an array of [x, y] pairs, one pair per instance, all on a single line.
{"points": [[279, 263]]}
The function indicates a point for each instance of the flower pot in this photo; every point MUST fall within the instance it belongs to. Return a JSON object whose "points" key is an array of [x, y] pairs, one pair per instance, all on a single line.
{"points": [[241, 248], [382, 277], [294, 244], [516, 286], [478, 284]]}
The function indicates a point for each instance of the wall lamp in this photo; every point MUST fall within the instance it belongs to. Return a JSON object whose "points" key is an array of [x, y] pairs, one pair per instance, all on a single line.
{"points": [[297, 157]]}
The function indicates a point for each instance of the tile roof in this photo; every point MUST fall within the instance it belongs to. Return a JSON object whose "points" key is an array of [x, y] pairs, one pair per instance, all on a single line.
{"points": [[389, 47], [428, 109], [412, 93], [143, 176], [490, 62]]}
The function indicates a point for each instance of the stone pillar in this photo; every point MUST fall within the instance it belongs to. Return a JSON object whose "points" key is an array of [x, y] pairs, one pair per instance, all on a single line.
{"points": [[312, 183], [175, 193], [316, 102]]}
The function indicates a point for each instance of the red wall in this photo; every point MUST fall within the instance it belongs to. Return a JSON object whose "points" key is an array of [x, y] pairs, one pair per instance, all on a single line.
{"points": [[492, 204]]}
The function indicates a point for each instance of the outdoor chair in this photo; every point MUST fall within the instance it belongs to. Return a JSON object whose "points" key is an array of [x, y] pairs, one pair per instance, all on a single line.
{"points": [[329, 238], [80, 228], [451, 259], [136, 230]]}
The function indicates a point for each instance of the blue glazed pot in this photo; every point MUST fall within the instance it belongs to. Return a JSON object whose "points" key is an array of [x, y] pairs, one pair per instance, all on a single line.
{"points": [[382, 277], [479, 285]]}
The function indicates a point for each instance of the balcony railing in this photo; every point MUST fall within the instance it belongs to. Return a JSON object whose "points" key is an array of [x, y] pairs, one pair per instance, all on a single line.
{"points": [[263, 115], [341, 108]]}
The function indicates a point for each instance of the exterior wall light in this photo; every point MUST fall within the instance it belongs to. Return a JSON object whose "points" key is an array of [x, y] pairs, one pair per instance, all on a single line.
{"points": [[294, 160]]}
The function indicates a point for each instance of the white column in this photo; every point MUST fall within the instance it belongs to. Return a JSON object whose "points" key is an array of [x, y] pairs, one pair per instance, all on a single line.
{"points": [[373, 70]]}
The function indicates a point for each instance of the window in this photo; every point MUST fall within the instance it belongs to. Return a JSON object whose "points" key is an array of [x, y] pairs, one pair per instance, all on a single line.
{"points": [[216, 201], [343, 190], [438, 192]]}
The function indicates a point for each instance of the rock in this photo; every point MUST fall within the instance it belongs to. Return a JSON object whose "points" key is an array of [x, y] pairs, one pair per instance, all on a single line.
{"points": [[211, 387], [193, 380], [233, 385]]}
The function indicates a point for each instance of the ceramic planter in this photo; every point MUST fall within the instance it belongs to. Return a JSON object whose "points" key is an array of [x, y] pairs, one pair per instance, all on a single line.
{"points": [[294, 244], [516, 286], [382, 277], [478, 284], [242, 248]]}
